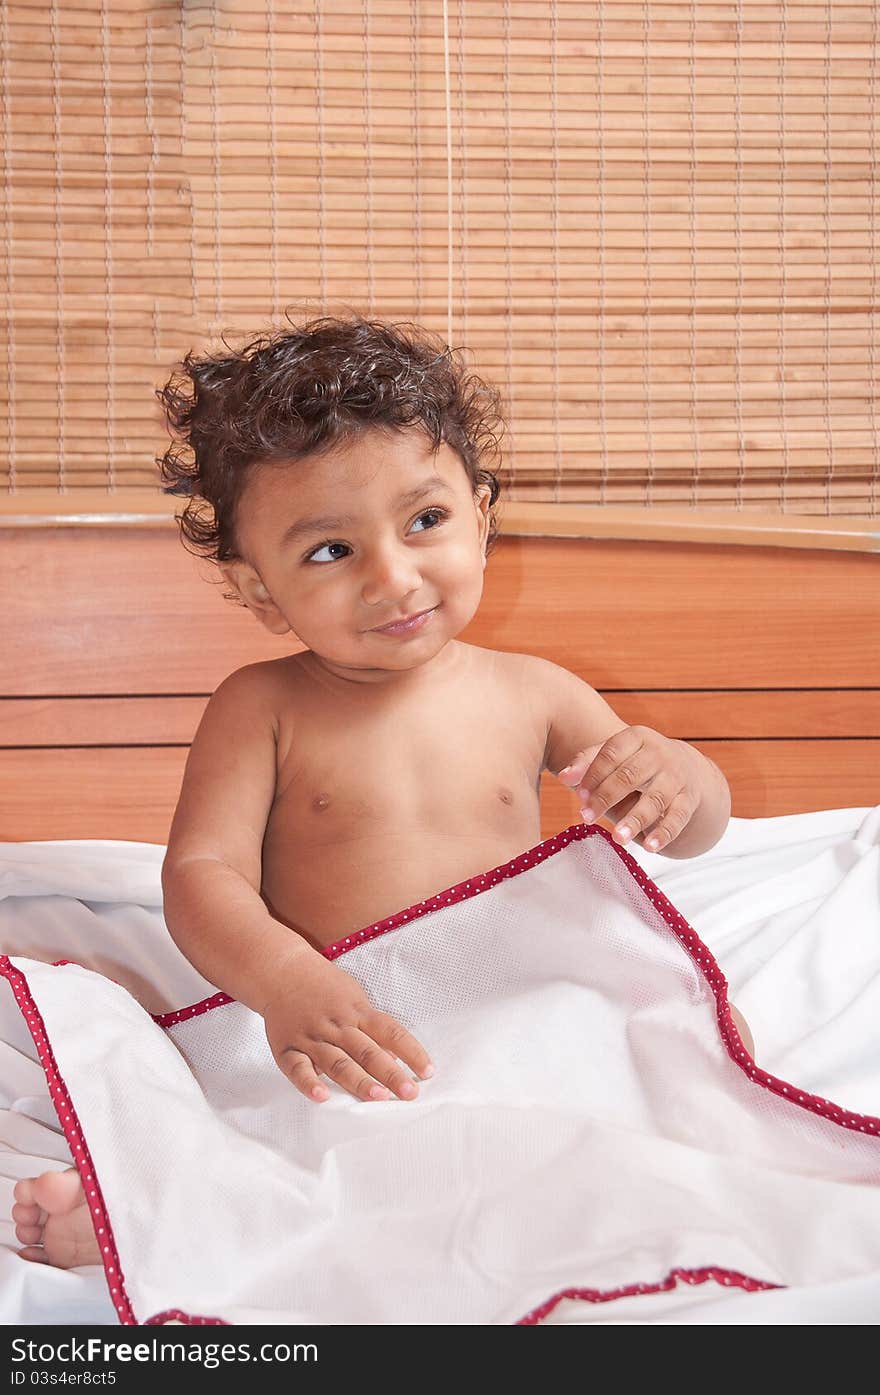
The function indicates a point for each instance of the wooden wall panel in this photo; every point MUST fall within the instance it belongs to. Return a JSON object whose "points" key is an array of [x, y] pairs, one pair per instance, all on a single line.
{"points": [[99, 721], [764, 658], [127, 610], [130, 792], [117, 610], [118, 792], [151, 721]]}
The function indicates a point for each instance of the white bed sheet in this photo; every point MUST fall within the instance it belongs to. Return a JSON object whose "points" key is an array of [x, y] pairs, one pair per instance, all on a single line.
{"points": [[789, 906]]}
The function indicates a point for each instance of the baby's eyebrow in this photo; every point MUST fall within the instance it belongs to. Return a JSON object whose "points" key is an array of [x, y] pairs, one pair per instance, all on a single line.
{"points": [[324, 525]]}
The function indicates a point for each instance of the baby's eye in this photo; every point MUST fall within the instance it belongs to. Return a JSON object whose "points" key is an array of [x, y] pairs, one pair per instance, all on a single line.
{"points": [[312, 556], [432, 513]]}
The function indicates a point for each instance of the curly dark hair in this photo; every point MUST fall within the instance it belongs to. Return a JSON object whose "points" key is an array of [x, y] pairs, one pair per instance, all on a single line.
{"points": [[296, 392]]}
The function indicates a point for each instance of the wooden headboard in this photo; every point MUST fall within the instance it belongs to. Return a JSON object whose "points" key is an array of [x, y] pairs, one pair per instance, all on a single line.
{"points": [[765, 658]]}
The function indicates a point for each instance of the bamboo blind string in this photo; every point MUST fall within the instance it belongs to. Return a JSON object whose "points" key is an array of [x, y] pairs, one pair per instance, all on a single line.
{"points": [[185, 190], [273, 156], [368, 123], [557, 447], [319, 107], [783, 264], [448, 95], [737, 227], [61, 375], [415, 89], [151, 134], [828, 273], [153, 137], [508, 261], [462, 174], [215, 167], [11, 347], [647, 366], [873, 214], [692, 209], [108, 246], [604, 470]]}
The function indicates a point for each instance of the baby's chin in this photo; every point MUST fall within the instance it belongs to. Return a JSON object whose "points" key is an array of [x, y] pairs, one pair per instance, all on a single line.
{"points": [[365, 664], [378, 654]]}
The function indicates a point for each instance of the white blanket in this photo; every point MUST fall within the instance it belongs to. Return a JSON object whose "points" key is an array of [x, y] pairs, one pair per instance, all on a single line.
{"points": [[596, 1144]]}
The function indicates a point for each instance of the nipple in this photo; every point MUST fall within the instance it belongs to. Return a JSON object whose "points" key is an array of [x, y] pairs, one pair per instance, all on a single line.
{"points": [[320, 801]]}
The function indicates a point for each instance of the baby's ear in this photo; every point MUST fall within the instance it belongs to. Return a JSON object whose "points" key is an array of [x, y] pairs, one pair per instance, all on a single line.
{"points": [[249, 588], [482, 503]]}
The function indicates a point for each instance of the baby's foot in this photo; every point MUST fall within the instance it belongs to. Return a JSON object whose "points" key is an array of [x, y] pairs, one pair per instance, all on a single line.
{"points": [[52, 1220]]}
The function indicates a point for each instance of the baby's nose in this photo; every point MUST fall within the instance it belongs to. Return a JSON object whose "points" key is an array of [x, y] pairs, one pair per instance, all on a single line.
{"points": [[390, 579]]}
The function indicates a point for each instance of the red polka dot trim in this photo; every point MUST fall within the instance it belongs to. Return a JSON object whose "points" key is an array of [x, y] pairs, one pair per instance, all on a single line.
{"points": [[168, 1019], [474, 886], [177, 1315], [730, 1278], [706, 964], [73, 1132], [684, 933]]}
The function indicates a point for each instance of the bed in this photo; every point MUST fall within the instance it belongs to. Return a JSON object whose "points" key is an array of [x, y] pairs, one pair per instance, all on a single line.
{"points": [[117, 641]]}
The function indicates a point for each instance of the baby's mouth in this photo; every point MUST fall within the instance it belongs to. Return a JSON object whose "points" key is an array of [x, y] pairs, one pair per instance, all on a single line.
{"points": [[405, 624]]}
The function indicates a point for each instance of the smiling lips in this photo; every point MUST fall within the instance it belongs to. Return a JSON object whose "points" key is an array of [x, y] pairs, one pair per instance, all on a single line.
{"points": [[407, 626]]}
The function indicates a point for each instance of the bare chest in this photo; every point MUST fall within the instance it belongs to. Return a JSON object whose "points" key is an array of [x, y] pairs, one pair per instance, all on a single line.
{"points": [[380, 803], [463, 764]]}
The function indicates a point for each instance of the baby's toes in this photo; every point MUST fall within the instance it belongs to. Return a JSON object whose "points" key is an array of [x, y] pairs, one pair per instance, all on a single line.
{"points": [[27, 1214], [36, 1255], [23, 1191], [29, 1221], [28, 1234]]}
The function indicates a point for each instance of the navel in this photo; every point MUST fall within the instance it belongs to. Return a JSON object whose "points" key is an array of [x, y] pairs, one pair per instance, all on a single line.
{"points": [[505, 796]]}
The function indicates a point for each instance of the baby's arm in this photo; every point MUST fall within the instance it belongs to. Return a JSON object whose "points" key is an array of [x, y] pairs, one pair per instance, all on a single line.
{"points": [[653, 787], [318, 1019], [577, 716]]}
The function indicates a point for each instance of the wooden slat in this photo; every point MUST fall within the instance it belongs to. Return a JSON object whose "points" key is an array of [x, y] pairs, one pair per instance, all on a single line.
{"points": [[125, 793], [94, 508], [668, 615], [119, 610], [130, 793], [128, 611], [705, 525], [123, 721], [759, 715], [790, 777], [116, 721]]}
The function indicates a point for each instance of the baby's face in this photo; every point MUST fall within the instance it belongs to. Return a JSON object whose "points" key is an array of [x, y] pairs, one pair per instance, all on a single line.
{"points": [[333, 549]]}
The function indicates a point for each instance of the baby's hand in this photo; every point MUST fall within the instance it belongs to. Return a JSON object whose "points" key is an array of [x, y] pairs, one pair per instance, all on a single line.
{"points": [[648, 781], [320, 1021]]}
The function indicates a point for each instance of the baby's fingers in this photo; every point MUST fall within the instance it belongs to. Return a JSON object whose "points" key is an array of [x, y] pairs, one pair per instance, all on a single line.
{"points": [[300, 1070], [342, 1065], [380, 1064], [386, 1030]]}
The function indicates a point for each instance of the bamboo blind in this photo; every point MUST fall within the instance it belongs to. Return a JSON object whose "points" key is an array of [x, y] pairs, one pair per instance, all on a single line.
{"points": [[654, 225]]}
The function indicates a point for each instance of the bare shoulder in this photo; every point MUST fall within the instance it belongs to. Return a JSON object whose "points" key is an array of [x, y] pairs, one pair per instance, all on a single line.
{"points": [[530, 673], [576, 715], [230, 775], [525, 665], [509, 666], [261, 686]]}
